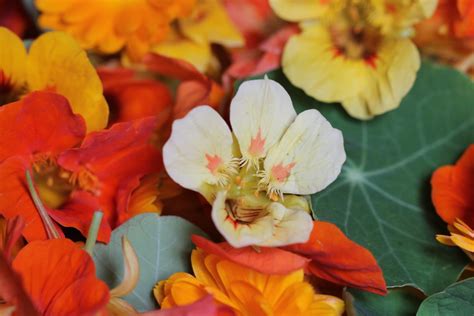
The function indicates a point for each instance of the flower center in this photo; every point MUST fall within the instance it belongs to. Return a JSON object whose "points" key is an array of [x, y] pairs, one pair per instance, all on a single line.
{"points": [[354, 37], [8, 92], [244, 211], [55, 184]]}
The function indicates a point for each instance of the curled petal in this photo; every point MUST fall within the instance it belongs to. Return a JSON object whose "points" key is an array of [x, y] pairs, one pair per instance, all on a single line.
{"points": [[131, 272]]}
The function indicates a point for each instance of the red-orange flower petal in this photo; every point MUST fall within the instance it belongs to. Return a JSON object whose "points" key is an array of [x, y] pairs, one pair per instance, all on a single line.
{"points": [[266, 260], [60, 278], [464, 27], [337, 259], [114, 156], [195, 88], [131, 98], [40, 122], [15, 198], [78, 213], [12, 293], [453, 190], [13, 16]]}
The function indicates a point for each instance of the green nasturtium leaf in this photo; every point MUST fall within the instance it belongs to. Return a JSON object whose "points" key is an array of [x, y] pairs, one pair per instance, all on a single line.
{"points": [[399, 302], [456, 300], [163, 246], [382, 197]]}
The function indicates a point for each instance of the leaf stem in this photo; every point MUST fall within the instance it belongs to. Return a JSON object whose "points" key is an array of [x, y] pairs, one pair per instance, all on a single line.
{"points": [[93, 231], [48, 223]]}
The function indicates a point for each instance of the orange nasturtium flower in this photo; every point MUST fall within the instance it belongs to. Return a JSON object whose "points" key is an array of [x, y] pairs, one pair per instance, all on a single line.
{"points": [[453, 197], [72, 182], [60, 279], [352, 51], [244, 290], [108, 26], [55, 62], [449, 34], [181, 29]]}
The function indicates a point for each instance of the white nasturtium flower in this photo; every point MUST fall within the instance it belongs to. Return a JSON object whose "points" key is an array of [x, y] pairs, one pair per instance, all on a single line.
{"points": [[253, 174]]}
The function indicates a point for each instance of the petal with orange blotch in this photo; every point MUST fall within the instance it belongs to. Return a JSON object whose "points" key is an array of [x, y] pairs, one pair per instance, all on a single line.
{"points": [[60, 278], [337, 259], [452, 190]]}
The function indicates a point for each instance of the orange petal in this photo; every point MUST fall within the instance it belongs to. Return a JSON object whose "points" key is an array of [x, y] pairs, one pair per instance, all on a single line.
{"points": [[78, 212], [57, 274], [337, 259], [12, 292], [43, 121], [205, 306], [452, 192], [16, 199], [267, 260], [115, 156], [130, 98]]}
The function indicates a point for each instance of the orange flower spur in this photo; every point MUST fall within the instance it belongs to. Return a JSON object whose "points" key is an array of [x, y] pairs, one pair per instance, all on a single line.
{"points": [[109, 25], [71, 182], [244, 290]]}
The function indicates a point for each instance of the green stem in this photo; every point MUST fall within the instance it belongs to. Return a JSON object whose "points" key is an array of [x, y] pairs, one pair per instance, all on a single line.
{"points": [[48, 223], [93, 231]]}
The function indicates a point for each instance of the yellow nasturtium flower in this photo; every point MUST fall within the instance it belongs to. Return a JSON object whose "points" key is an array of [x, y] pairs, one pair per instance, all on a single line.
{"points": [[253, 175], [245, 291], [193, 35], [355, 52], [54, 62]]}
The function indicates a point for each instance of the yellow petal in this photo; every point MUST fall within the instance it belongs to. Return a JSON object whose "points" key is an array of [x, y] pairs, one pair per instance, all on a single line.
{"points": [[249, 299], [296, 300], [197, 54], [445, 240], [311, 62], [159, 291], [276, 285], [200, 270], [209, 23], [185, 292], [299, 10], [463, 242], [326, 305], [57, 62], [12, 59]]}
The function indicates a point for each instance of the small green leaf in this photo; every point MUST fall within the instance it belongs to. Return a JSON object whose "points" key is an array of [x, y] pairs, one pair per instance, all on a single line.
{"points": [[382, 200], [397, 302], [163, 246], [456, 300]]}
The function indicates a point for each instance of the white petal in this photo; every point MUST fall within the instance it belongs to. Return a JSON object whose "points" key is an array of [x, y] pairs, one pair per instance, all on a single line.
{"points": [[236, 234], [291, 226], [199, 146], [308, 157], [260, 112]]}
